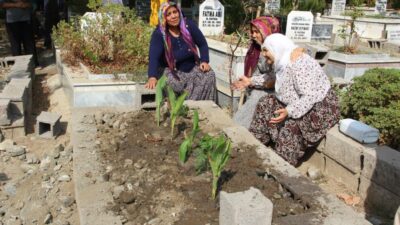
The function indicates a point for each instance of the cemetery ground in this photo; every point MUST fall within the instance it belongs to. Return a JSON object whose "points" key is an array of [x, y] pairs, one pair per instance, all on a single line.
{"points": [[36, 187], [137, 159]]}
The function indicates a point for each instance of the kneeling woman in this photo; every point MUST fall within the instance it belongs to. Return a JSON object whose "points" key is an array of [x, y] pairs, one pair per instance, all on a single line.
{"points": [[304, 107], [173, 45]]}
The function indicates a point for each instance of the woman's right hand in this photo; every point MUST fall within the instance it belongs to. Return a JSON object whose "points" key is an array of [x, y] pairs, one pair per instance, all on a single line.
{"points": [[242, 83], [151, 83]]}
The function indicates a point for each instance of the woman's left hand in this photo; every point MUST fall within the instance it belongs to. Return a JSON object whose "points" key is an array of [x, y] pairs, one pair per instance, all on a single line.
{"points": [[204, 67], [283, 113]]}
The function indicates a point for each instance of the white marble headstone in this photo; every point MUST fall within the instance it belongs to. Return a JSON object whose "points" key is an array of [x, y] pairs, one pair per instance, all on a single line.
{"points": [[272, 6], [211, 17], [338, 7], [299, 26], [393, 35], [380, 6]]}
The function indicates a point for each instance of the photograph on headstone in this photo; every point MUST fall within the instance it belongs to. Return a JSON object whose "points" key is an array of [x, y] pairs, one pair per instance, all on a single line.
{"points": [[321, 31], [211, 17], [338, 7], [299, 26]]}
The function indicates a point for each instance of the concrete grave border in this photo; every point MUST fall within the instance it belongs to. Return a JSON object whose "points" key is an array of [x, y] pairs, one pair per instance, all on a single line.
{"points": [[92, 194]]}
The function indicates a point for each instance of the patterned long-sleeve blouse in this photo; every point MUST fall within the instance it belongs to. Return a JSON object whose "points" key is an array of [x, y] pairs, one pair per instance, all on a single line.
{"points": [[301, 85], [262, 74]]}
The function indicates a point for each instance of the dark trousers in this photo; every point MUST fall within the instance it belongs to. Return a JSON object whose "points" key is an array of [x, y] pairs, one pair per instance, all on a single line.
{"points": [[21, 34]]}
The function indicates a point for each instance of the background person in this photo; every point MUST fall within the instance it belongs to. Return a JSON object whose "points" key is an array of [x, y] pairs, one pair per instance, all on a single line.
{"points": [[304, 106], [173, 47]]}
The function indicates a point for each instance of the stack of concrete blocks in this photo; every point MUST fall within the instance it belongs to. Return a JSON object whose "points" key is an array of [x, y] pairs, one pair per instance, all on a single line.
{"points": [[48, 125], [250, 207], [371, 171], [18, 92]]}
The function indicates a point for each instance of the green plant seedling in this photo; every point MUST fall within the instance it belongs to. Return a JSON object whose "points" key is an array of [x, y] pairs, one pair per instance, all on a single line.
{"points": [[176, 106], [159, 96], [218, 157], [186, 145]]}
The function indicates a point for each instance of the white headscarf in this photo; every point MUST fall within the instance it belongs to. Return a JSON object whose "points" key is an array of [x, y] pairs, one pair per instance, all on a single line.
{"points": [[281, 48]]}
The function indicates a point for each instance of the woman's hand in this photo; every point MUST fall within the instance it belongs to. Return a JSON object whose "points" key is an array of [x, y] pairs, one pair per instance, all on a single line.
{"points": [[151, 83], [283, 113], [242, 83], [205, 67]]}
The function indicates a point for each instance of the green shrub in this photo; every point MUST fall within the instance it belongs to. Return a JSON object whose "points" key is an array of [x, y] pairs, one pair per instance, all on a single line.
{"points": [[117, 41], [374, 98]]}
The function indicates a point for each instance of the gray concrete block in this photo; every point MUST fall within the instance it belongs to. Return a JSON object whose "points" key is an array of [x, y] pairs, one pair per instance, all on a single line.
{"points": [[341, 174], [48, 125], [4, 116], [378, 199], [27, 83], [344, 150], [13, 92], [381, 165], [250, 207]]}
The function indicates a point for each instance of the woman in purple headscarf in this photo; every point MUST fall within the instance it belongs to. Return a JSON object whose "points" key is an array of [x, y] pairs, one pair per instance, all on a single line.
{"points": [[258, 77], [173, 47]]}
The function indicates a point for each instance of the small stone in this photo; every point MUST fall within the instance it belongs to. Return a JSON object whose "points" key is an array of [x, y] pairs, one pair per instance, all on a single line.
{"points": [[67, 201], [314, 173], [277, 196], [6, 144], [138, 165], [15, 151], [26, 168], [128, 162], [154, 221], [10, 189], [22, 157], [116, 124], [127, 197], [48, 219], [32, 159], [57, 168], [46, 163], [117, 191], [45, 177], [64, 178]]}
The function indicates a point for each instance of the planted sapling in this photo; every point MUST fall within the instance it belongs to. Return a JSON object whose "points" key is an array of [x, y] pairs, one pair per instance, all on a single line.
{"points": [[176, 105], [186, 146]]}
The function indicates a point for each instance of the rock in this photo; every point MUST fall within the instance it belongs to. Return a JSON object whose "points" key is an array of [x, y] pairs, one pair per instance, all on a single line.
{"points": [[6, 144], [314, 173], [2, 212], [10, 189], [25, 168], [64, 178], [128, 162], [56, 151], [48, 219], [32, 159], [46, 163], [15, 150], [67, 201], [127, 197], [117, 191], [116, 124], [154, 221], [22, 157], [57, 168]]}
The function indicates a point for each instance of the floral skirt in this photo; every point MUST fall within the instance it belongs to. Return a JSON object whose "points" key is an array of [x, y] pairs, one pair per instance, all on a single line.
{"points": [[293, 136], [199, 85]]}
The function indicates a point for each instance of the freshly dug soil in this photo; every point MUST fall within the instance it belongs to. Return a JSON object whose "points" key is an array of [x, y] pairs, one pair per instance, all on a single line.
{"points": [[151, 186]]}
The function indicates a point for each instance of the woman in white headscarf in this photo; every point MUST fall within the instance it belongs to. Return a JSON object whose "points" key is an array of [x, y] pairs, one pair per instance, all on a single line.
{"points": [[304, 106]]}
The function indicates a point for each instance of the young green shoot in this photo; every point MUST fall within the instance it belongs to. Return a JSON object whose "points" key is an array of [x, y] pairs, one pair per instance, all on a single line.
{"points": [[218, 156], [186, 146], [159, 96], [176, 106]]}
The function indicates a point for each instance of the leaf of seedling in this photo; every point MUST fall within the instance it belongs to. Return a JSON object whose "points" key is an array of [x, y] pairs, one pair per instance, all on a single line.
{"points": [[218, 157], [186, 146], [159, 96], [176, 105]]}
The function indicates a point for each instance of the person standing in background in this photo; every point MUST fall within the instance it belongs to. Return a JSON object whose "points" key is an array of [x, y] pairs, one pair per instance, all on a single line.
{"points": [[51, 19], [19, 27]]}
